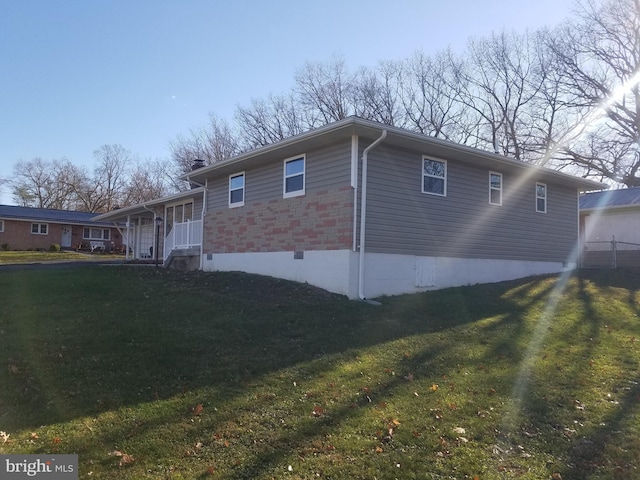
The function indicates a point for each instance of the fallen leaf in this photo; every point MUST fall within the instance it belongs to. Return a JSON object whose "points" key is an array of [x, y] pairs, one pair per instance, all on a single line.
{"points": [[197, 410], [318, 411], [34, 436], [379, 450], [409, 377], [211, 470], [434, 387], [4, 436], [13, 369], [126, 459], [57, 440], [459, 430]]}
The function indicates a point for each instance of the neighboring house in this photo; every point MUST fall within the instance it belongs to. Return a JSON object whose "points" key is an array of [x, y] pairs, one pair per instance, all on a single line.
{"points": [[610, 228], [364, 209], [26, 228]]}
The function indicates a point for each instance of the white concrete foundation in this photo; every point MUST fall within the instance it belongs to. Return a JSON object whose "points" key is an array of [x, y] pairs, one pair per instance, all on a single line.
{"points": [[384, 274]]}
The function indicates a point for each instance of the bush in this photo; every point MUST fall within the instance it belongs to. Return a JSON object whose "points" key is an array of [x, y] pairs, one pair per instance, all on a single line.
{"points": [[4, 247], [54, 248]]}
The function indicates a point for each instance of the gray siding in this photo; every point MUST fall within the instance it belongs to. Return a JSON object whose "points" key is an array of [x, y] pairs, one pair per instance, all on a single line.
{"points": [[402, 219], [326, 168]]}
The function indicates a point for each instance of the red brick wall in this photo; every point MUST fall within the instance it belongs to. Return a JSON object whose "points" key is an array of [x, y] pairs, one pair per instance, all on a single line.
{"points": [[320, 220]]}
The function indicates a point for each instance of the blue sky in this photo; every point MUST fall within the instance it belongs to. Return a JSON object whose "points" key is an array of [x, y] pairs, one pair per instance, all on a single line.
{"points": [[78, 74]]}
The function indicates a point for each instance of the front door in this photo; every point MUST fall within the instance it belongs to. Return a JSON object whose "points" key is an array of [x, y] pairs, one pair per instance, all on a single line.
{"points": [[65, 242]]}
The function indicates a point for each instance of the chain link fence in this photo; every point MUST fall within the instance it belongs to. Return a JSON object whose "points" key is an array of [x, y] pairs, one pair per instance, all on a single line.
{"points": [[611, 254]]}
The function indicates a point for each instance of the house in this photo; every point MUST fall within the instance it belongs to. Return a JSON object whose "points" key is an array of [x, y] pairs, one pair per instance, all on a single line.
{"points": [[610, 228], [26, 228], [364, 209]]}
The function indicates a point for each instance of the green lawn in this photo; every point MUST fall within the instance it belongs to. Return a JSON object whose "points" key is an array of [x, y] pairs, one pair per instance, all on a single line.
{"points": [[31, 256], [149, 373]]}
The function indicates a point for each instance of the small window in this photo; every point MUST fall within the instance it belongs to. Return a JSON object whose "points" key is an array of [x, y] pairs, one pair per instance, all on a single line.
{"points": [[236, 190], [294, 177], [495, 188], [541, 198], [96, 233], [39, 228], [434, 176], [1, 225]]}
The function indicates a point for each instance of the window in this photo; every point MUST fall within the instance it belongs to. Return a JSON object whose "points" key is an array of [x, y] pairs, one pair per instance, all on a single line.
{"points": [[39, 228], [434, 176], [236, 190], [1, 225], [96, 233], [541, 198], [495, 188], [294, 177]]}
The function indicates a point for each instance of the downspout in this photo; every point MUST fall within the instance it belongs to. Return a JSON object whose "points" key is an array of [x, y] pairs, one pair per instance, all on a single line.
{"points": [[354, 184], [363, 212], [202, 214]]}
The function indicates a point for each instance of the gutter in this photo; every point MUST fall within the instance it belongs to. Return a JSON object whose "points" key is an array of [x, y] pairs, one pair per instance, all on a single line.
{"points": [[363, 212]]}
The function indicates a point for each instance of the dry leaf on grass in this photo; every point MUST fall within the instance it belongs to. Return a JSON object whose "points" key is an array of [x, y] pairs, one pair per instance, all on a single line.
{"points": [[125, 458]]}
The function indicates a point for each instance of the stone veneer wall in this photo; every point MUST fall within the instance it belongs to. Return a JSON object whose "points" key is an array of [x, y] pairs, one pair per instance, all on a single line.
{"points": [[321, 220]]}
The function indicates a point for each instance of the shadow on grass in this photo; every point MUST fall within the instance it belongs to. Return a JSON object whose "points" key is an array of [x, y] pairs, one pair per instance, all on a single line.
{"points": [[79, 343]]}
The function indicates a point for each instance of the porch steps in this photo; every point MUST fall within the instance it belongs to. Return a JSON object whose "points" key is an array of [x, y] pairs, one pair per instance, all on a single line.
{"points": [[183, 259]]}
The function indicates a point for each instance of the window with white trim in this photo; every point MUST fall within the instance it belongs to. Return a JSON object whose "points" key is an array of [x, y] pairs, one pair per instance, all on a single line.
{"points": [[434, 176], [39, 228], [294, 173], [1, 225], [96, 233], [495, 188], [236, 190], [541, 198]]}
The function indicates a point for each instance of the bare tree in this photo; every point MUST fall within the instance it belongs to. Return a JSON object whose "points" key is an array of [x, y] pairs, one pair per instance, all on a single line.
{"points": [[430, 97], [213, 143], [325, 91], [146, 181], [599, 65], [44, 184], [377, 94], [497, 83], [270, 120]]}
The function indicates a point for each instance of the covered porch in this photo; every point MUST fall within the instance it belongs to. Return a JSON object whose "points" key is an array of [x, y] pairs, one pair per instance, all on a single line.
{"points": [[162, 230]]}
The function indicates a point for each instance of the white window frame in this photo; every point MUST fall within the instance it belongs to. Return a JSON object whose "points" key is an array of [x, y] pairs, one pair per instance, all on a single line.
{"points": [[103, 231], [244, 180], [295, 193], [1, 225], [544, 197], [493, 189], [444, 178], [39, 228]]}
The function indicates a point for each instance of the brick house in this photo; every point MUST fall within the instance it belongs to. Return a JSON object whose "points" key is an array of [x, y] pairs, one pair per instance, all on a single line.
{"points": [[365, 209], [26, 228]]}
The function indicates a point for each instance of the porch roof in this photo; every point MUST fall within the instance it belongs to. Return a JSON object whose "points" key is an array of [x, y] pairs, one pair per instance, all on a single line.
{"points": [[143, 209]]}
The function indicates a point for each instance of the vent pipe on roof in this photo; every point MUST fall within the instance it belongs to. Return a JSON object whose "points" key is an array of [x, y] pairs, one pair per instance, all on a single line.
{"points": [[197, 164]]}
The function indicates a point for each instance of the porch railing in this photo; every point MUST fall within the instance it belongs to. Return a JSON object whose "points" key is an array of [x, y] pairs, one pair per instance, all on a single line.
{"points": [[183, 235]]}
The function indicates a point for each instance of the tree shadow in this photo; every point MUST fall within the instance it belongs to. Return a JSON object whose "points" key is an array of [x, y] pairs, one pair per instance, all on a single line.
{"points": [[122, 345]]}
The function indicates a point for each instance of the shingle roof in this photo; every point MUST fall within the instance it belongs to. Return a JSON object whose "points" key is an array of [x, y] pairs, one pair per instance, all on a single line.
{"points": [[625, 197], [49, 215]]}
